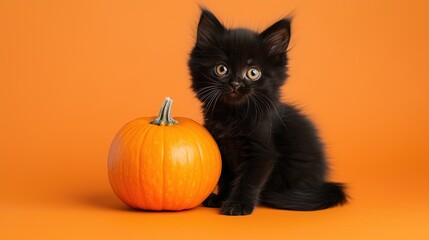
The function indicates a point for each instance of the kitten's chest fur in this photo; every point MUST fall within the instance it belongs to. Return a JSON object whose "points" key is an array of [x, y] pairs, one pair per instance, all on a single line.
{"points": [[230, 139], [236, 136]]}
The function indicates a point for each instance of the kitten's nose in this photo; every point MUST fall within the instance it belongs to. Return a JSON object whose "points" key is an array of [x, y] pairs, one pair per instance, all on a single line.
{"points": [[235, 85]]}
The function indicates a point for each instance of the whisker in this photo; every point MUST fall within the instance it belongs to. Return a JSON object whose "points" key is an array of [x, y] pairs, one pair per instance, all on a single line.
{"points": [[207, 97], [267, 106], [205, 90], [218, 93], [256, 120], [209, 101], [274, 107], [210, 79], [247, 108]]}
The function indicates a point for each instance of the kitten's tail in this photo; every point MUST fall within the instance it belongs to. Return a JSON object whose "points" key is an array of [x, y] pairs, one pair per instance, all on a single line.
{"points": [[326, 195]]}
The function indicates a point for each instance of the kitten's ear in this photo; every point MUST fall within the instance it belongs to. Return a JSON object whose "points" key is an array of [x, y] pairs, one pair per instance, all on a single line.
{"points": [[209, 28], [276, 37]]}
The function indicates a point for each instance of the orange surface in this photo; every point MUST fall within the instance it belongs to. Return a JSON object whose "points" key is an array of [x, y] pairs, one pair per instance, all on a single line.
{"points": [[73, 72]]}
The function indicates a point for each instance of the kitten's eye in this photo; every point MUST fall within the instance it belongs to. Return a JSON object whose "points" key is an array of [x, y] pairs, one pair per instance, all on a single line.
{"points": [[221, 70], [253, 73]]}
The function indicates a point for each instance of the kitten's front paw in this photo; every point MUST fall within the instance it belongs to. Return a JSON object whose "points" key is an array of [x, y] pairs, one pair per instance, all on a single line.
{"points": [[212, 201], [236, 208]]}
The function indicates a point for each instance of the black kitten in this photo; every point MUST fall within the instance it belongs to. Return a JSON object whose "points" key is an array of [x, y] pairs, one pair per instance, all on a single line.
{"points": [[271, 153]]}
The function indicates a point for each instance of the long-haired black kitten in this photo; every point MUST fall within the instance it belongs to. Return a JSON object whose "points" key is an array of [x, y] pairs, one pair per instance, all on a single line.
{"points": [[271, 153]]}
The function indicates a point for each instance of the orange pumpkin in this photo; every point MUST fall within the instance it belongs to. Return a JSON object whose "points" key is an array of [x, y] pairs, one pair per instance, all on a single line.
{"points": [[163, 164]]}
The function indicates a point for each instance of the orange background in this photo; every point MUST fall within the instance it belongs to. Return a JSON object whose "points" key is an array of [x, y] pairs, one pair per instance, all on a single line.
{"points": [[73, 72]]}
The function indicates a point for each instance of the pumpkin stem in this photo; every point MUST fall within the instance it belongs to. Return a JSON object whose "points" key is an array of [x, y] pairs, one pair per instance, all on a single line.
{"points": [[164, 117]]}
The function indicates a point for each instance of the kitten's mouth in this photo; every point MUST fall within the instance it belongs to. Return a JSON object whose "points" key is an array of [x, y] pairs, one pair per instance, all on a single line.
{"points": [[234, 91], [233, 97]]}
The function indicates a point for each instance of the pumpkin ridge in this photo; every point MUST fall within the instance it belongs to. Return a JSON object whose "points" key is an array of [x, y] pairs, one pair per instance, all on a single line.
{"points": [[197, 145], [139, 160], [183, 132], [128, 132], [156, 194], [135, 136], [214, 153], [172, 135], [163, 167]]}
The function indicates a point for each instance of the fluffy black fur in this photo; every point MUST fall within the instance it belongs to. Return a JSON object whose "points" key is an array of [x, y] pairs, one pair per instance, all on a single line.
{"points": [[271, 153]]}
